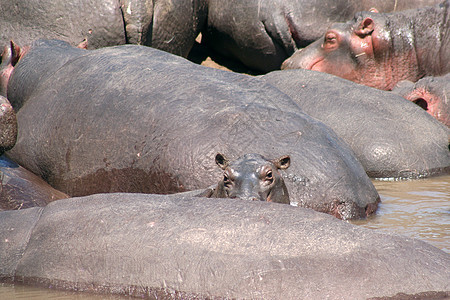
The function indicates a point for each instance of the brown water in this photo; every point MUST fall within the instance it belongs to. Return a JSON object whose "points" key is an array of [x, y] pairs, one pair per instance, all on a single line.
{"points": [[416, 208]]}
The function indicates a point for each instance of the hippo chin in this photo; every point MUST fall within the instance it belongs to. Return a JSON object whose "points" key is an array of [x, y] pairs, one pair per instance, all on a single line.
{"points": [[253, 177], [380, 50]]}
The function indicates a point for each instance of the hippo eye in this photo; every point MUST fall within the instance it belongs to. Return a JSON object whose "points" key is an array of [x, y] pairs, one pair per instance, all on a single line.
{"points": [[269, 176]]}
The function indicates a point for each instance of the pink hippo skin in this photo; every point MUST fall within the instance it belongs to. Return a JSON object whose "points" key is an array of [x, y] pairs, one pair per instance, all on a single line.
{"points": [[379, 50], [430, 93]]}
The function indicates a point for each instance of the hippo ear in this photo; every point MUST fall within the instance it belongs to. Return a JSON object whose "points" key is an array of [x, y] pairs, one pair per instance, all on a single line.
{"points": [[365, 27], [221, 161], [283, 162], [10, 54]]}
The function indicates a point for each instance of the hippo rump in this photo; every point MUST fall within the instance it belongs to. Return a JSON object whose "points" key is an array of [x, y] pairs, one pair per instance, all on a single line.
{"points": [[262, 34], [381, 127], [171, 25], [136, 119], [430, 93], [172, 247], [19, 188], [379, 50], [8, 125]]}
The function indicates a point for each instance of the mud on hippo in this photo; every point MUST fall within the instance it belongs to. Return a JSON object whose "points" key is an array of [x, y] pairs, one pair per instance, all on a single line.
{"points": [[379, 50]]}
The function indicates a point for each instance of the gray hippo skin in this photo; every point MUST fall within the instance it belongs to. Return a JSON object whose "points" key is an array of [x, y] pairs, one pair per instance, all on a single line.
{"points": [[173, 247], [262, 34], [430, 93], [380, 126], [8, 125], [379, 50], [19, 188], [135, 119], [171, 25], [253, 177]]}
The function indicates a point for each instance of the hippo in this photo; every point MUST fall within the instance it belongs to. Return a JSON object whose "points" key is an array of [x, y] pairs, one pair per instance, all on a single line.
{"points": [[136, 119], [259, 33], [381, 49], [253, 177], [431, 93], [20, 189], [380, 126], [262, 34], [8, 125], [173, 247], [171, 25]]}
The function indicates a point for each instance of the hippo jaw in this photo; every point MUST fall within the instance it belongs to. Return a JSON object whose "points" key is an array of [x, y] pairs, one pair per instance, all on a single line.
{"points": [[253, 178]]}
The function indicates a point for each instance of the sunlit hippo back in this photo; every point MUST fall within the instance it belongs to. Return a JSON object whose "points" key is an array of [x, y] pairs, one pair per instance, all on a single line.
{"points": [[252, 177]]}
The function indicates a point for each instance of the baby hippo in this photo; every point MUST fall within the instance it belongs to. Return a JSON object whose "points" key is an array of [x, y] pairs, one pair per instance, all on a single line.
{"points": [[252, 177]]}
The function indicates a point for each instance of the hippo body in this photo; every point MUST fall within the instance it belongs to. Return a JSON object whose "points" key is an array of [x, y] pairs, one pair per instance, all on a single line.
{"points": [[171, 25], [431, 93], [135, 119], [171, 247], [22, 189], [379, 50], [262, 34], [380, 126], [8, 125]]}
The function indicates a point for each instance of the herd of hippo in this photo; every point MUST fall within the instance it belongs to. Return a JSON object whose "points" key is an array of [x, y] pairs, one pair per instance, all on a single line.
{"points": [[116, 152]]}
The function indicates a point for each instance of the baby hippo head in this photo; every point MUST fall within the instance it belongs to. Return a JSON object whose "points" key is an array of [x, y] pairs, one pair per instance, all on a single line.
{"points": [[253, 177]]}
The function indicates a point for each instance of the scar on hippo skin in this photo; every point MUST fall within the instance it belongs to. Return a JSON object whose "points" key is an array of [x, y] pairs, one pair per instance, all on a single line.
{"points": [[252, 177]]}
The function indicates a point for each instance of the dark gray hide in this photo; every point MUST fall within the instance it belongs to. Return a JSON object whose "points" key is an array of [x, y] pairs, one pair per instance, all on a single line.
{"points": [[391, 137], [262, 34], [8, 125], [430, 93], [136, 119], [19, 188], [171, 25], [158, 246]]}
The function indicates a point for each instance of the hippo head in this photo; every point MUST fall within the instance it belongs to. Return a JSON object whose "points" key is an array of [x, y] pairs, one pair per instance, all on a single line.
{"points": [[253, 177], [362, 51]]}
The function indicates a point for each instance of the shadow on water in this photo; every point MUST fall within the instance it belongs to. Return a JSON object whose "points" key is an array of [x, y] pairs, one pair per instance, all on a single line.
{"points": [[414, 208]]}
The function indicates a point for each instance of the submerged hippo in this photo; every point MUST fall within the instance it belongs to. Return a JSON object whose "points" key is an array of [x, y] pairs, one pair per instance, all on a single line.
{"points": [[379, 50], [177, 247], [136, 119], [431, 93], [253, 177]]}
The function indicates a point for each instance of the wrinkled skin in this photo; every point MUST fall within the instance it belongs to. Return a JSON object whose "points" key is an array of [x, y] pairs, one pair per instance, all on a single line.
{"points": [[262, 34], [430, 93], [170, 246], [8, 125], [170, 25], [253, 177], [380, 127], [20, 189], [112, 131], [380, 50]]}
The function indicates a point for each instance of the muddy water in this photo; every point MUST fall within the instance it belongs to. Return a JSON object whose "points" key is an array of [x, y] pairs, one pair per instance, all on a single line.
{"points": [[415, 208], [418, 208]]}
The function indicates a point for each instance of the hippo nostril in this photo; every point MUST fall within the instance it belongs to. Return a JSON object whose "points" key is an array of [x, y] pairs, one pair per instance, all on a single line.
{"points": [[422, 103]]}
